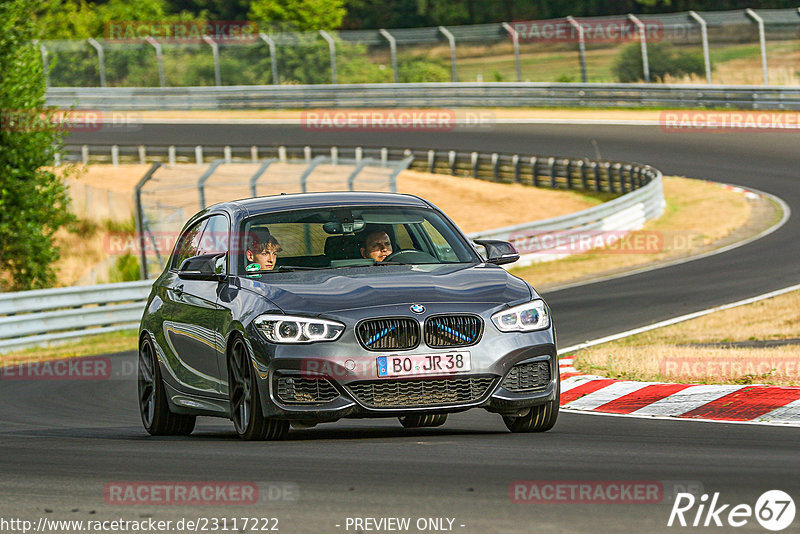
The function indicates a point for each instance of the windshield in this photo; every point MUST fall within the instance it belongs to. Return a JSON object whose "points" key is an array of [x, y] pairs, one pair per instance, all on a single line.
{"points": [[349, 237]]}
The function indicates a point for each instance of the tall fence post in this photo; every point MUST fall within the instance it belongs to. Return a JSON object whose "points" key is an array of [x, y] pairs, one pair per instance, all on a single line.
{"points": [[273, 55], [643, 39], [392, 50], [215, 51], [332, 49], [201, 182], [452, 40], [100, 60], [581, 46], [514, 41], [159, 60], [704, 36], [139, 218], [762, 40]]}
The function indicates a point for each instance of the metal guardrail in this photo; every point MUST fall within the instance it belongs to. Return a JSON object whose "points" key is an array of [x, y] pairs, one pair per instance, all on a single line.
{"points": [[427, 95], [43, 316], [39, 317]]}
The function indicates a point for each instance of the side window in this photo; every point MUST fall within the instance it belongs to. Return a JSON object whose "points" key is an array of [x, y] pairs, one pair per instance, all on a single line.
{"points": [[214, 240], [187, 244]]}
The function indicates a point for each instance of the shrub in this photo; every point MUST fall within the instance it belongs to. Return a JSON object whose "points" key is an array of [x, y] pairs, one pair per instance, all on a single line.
{"points": [[663, 59]]}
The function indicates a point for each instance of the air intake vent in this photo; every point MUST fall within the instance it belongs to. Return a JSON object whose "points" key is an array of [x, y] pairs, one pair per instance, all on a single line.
{"points": [[453, 330], [420, 393], [527, 377], [301, 390], [397, 333]]}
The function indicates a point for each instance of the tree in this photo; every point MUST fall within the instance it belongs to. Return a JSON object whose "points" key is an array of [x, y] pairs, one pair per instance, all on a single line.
{"points": [[33, 201], [300, 15]]}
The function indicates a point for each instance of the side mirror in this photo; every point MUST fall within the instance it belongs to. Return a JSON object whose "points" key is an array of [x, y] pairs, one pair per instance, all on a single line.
{"points": [[498, 252], [202, 268]]}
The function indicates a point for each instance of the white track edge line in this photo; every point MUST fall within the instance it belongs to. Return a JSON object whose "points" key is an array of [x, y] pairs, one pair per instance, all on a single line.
{"points": [[678, 319]]}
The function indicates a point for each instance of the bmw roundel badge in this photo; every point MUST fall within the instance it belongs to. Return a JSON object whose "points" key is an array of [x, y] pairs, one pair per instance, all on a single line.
{"points": [[418, 308]]}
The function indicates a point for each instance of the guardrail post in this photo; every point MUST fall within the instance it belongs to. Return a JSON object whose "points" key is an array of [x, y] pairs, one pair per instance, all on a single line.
{"points": [[551, 169], [226, 151], [273, 56], [159, 59], [258, 174], [56, 161], [171, 154], [334, 155], [452, 40], [704, 36], [115, 155], [392, 50], [198, 155], [451, 160], [515, 42], [534, 176], [762, 40], [496, 166], [201, 182], [215, 51], [473, 159], [100, 60], [643, 39], [282, 154], [384, 156], [431, 160], [139, 217], [85, 154], [307, 153], [359, 154], [515, 164], [581, 45], [253, 153], [332, 48], [142, 154]]}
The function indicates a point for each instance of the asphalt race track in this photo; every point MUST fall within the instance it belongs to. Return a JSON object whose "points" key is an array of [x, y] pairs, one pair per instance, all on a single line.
{"points": [[61, 443]]}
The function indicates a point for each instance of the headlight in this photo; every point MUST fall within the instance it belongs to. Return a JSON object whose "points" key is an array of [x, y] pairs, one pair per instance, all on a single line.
{"points": [[292, 329], [526, 317]]}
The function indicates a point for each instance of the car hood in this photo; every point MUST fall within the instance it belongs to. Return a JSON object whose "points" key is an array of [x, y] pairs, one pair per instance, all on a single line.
{"points": [[332, 290]]}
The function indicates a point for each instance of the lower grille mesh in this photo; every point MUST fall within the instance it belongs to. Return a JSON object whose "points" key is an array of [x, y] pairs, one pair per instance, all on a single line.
{"points": [[299, 390], [527, 377], [419, 393]]}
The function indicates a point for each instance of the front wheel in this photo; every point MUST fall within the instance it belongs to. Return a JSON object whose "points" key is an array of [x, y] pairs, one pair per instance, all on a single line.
{"points": [[540, 419], [248, 419], [153, 405]]}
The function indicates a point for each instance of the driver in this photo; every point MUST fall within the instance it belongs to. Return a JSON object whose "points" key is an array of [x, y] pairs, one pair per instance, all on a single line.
{"points": [[262, 251], [376, 245]]}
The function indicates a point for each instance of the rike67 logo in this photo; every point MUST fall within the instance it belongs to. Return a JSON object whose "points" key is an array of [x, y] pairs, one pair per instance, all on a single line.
{"points": [[774, 510]]}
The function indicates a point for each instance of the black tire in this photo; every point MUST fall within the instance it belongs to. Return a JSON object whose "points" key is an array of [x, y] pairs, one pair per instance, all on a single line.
{"points": [[420, 421], [540, 419], [153, 405], [246, 413]]}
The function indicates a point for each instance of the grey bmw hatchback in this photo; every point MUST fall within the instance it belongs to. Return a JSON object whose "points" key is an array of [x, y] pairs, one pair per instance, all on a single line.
{"points": [[295, 310]]}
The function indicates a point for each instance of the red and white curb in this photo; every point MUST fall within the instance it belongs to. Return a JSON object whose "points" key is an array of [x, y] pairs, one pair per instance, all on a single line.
{"points": [[729, 403]]}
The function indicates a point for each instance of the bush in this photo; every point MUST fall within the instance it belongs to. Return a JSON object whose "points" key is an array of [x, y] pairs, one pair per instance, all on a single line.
{"points": [[663, 59], [125, 269], [413, 69]]}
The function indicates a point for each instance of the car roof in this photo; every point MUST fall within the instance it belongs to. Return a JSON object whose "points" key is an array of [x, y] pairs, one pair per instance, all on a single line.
{"points": [[257, 205]]}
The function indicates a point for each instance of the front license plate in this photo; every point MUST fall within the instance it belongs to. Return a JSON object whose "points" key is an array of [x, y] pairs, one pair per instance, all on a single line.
{"points": [[424, 364]]}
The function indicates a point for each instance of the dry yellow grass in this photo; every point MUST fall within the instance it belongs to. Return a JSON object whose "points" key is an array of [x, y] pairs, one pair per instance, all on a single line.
{"points": [[697, 214], [667, 354], [91, 346]]}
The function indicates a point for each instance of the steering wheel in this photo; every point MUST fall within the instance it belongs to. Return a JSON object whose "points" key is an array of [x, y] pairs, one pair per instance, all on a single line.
{"points": [[410, 255]]}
